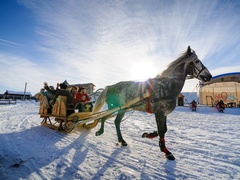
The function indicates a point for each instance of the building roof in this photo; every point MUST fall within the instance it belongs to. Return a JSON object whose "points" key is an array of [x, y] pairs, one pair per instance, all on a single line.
{"points": [[86, 84], [189, 96], [227, 77], [17, 93]]}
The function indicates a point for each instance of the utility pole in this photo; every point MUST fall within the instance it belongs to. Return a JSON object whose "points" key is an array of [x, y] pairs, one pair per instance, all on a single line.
{"points": [[25, 91]]}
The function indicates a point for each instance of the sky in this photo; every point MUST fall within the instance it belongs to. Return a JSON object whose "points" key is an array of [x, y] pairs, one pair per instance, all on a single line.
{"points": [[104, 42]]}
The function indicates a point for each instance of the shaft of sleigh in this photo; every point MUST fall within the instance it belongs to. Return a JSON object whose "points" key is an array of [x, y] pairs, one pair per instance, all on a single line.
{"points": [[100, 115]]}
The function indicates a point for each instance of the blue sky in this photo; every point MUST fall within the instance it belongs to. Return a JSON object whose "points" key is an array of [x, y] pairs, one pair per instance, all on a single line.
{"points": [[104, 42]]}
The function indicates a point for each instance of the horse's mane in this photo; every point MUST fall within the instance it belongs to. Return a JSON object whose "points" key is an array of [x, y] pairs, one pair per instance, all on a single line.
{"points": [[183, 59]]}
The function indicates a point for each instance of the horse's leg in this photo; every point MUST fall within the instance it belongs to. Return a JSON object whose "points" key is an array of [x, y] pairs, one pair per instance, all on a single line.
{"points": [[162, 129], [117, 125], [101, 130]]}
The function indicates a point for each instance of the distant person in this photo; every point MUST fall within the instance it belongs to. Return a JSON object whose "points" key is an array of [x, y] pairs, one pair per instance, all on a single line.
{"points": [[220, 106], [193, 105]]}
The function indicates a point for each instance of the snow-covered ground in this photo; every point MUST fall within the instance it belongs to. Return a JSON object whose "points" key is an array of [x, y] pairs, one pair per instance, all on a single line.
{"points": [[205, 143]]}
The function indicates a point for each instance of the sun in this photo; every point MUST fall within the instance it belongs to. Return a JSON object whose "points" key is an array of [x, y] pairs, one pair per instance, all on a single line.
{"points": [[143, 70]]}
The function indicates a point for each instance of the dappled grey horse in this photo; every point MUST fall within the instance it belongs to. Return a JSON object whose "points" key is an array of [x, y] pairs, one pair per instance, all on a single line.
{"points": [[163, 91]]}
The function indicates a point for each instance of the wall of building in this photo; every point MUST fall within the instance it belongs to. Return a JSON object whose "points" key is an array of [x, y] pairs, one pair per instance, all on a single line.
{"points": [[88, 86], [227, 91]]}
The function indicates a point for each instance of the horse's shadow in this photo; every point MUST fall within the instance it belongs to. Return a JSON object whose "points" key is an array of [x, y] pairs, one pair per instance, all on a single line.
{"points": [[110, 162], [169, 169], [18, 159], [127, 171], [113, 159]]}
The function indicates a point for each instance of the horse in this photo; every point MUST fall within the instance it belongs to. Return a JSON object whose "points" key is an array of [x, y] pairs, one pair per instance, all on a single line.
{"points": [[163, 91]]}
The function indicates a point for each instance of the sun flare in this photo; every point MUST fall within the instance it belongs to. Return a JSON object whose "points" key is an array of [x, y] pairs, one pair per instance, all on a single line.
{"points": [[143, 71]]}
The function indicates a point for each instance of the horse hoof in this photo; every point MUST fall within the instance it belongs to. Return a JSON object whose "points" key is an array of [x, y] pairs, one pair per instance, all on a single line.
{"points": [[144, 135], [124, 143], [170, 156], [98, 133]]}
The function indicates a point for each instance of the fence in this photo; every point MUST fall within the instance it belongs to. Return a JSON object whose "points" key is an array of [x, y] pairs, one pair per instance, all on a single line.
{"points": [[7, 101]]}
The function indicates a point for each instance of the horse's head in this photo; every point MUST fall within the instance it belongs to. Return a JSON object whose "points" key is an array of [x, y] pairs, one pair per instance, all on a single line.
{"points": [[196, 68]]}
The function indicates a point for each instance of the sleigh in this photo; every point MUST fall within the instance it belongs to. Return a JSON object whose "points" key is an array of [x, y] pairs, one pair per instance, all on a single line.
{"points": [[59, 119]]}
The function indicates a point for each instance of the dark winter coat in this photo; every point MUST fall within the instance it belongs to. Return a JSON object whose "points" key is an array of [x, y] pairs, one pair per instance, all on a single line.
{"points": [[62, 92]]}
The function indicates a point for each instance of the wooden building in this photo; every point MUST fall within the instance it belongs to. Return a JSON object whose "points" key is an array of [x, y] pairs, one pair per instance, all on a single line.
{"points": [[185, 98], [224, 87], [16, 95], [88, 86], [180, 100]]}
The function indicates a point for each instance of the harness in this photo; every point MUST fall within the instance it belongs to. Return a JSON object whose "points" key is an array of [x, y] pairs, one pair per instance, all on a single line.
{"points": [[196, 71], [147, 86], [199, 71]]}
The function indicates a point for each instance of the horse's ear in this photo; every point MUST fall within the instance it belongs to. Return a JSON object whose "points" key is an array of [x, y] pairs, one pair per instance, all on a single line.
{"points": [[189, 51]]}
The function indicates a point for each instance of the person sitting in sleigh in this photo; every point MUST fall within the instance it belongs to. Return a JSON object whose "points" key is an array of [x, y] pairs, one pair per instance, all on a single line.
{"points": [[62, 91], [82, 99]]}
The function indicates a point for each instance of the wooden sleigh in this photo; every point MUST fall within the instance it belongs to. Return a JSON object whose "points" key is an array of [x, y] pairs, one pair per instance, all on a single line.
{"points": [[61, 121]]}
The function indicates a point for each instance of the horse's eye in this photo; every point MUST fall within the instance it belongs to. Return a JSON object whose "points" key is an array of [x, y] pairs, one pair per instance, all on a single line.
{"points": [[197, 61]]}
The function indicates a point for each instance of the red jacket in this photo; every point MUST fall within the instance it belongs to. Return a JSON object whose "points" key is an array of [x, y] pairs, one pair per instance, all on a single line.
{"points": [[74, 93], [82, 97]]}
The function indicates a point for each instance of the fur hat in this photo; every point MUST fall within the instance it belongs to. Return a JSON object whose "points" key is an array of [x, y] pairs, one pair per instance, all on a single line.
{"points": [[64, 85]]}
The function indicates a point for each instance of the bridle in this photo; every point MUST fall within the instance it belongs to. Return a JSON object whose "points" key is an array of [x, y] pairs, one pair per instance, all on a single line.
{"points": [[197, 70]]}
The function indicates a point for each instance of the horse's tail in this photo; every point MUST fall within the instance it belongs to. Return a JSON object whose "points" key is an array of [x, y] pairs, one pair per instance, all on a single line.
{"points": [[100, 101]]}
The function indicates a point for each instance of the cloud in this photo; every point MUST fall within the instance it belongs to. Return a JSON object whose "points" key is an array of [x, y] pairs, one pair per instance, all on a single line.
{"points": [[103, 41], [92, 48], [226, 69], [9, 43], [15, 71]]}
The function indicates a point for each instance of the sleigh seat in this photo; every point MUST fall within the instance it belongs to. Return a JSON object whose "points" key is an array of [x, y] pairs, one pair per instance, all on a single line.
{"points": [[44, 105]]}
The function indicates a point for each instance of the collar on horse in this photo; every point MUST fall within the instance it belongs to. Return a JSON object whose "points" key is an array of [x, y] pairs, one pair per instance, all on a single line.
{"points": [[147, 87]]}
